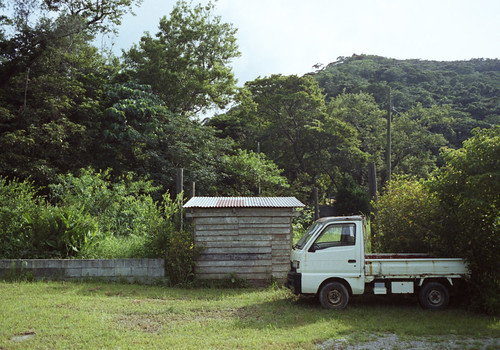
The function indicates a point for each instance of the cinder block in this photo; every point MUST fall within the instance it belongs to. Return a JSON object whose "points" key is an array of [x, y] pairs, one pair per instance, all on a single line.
{"points": [[107, 263], [90, 272], [47, 272], [156, 263], [69, 264], [139, 271], [73, 272], [156, 272], [54, 264], [120, 263], [6, 264], [123, 271]]}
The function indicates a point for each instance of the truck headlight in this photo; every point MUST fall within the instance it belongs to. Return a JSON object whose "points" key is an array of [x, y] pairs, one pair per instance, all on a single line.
{"points": [[295, 264]]}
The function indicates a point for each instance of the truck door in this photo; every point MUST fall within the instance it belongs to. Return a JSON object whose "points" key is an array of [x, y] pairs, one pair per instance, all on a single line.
{"points": [[335, 253]]}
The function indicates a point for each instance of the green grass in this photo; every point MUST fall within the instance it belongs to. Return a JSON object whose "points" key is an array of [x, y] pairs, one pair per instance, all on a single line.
{"points": [[64, 315]]}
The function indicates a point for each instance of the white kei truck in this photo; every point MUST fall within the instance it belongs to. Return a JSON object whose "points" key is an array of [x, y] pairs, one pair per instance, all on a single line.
{"points": [[330, 261]]}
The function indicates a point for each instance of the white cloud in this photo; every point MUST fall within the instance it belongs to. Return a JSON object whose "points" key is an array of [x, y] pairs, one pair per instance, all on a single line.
{"points": [[288, 37]]}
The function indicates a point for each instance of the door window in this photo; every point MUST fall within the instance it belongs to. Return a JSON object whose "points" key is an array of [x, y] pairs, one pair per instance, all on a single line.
{"points": [[336, 235]]}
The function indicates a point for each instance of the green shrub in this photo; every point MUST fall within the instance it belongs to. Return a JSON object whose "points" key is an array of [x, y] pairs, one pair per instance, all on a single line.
{"points": [[17, 202], [32, 228], [174, 244], [454, 213], [115, 247], [93, 217], [59, 232], [121, 207], [468, 189], [301, 223], [406, 217]]}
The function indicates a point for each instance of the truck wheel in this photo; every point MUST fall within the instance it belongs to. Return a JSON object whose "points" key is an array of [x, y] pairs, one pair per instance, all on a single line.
{"points": [[334, 295], [434, 296]]}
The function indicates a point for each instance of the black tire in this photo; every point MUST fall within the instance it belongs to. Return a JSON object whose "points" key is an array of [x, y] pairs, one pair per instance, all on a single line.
{"points": [[434, 296], [333, 296]]}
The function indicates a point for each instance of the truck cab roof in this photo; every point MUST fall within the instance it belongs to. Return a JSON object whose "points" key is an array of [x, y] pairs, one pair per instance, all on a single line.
{"points": [[341, 218]]}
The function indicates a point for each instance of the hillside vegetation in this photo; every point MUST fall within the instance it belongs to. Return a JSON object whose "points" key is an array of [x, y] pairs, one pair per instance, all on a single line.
{"points": [[470, 86]]}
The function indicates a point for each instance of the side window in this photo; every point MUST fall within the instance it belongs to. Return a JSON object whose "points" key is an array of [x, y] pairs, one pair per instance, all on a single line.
{"points": [[336, 235]]}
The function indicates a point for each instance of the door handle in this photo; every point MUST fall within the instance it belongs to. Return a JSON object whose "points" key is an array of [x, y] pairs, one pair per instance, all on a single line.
{"points": [[351, 261]]}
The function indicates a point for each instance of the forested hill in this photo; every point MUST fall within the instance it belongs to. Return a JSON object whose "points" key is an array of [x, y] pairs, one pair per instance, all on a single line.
{"points": [[470, 86]]}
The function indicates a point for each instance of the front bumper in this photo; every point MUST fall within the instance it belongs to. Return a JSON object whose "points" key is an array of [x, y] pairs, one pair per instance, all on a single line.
{"points": [[294, 282]]}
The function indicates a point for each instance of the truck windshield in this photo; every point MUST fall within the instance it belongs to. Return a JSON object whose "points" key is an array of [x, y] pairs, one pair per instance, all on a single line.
{"points": [[303, 240]]}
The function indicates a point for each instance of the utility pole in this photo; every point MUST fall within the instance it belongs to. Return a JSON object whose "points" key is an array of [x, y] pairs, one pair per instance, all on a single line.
{"points": [[180, 180], [388, 155], [372, 185], [258, 155], [180, 191], [316, 203]]}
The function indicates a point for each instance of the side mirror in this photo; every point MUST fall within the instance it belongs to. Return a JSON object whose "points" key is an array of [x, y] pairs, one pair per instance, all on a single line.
{"points": [[313, 248]]}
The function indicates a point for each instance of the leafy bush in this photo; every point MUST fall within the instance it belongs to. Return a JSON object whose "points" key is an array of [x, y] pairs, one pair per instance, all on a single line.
{"points": [[301, 223], [405, 217], [93, 217], [17, 202], [59, 232], [468, 188], [245, 172], [115, 247], [122, 207], [454, 213], [172, 243], [32, 228]]}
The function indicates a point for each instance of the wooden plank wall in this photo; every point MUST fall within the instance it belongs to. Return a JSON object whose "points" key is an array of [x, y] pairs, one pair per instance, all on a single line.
{"points": [[252, 243]]}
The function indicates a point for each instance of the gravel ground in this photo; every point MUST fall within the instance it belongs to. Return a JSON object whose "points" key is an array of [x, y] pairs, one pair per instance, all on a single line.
{"points": [[393, 342]]}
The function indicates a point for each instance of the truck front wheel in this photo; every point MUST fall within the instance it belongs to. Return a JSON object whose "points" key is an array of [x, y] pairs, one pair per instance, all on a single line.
{"points": [[434, 296], [334, 295]]}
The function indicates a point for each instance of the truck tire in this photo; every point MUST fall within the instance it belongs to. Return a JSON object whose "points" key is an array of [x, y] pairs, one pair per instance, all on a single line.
{"points": [[334, 296], [434, 296]]}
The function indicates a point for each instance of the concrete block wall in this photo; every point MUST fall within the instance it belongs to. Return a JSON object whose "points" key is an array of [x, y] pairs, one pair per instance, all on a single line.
{"points": [[132, 270]]}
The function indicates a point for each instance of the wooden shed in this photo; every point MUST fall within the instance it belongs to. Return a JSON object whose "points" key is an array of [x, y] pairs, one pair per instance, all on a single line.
{"points": [[246, 237]]}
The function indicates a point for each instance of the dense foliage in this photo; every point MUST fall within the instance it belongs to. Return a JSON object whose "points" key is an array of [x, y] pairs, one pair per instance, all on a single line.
{"points": [[468, 189], [406, 217], [90, 216], [187, 64], [286, 116], [453, 213], [471, 87]]}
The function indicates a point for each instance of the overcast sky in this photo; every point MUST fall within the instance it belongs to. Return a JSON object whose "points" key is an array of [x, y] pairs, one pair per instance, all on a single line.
{"points": [[290, 36]]}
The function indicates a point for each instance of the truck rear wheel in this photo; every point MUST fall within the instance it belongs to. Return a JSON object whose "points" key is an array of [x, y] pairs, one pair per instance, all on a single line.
{"points": [[434, 296], [334, 295]]}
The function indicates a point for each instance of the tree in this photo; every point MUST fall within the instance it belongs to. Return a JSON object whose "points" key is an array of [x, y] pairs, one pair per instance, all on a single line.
{"points": [[31, 28], [137, 133], [246, 172], [454, 213], [187, 64], [287, 116], [471, 88], [467, 188], [415, 148], [362, 113], [45, 116]]}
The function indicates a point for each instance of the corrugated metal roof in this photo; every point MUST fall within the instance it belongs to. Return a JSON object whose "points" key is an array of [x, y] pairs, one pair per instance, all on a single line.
{"points": [[243, 202]]}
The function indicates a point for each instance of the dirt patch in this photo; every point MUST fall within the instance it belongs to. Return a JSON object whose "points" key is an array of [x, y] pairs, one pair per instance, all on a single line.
{"points": [[23, 336], [392, 341]]}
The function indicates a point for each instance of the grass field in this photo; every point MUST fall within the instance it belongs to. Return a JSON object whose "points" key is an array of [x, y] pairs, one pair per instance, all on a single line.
{"points": [[64, 315]]}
